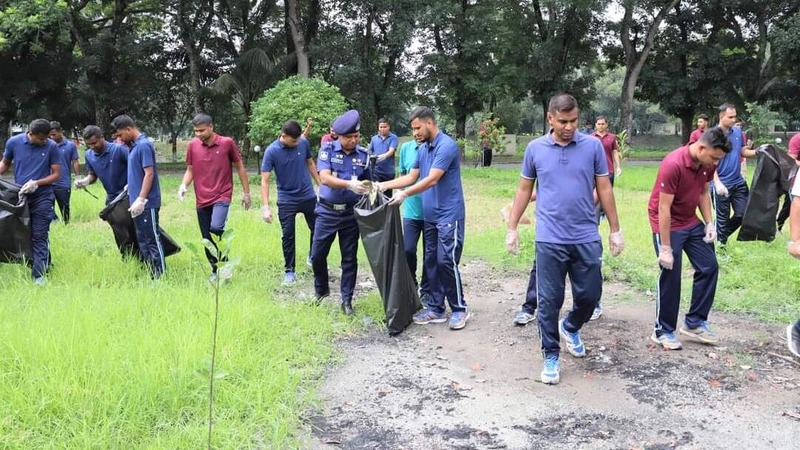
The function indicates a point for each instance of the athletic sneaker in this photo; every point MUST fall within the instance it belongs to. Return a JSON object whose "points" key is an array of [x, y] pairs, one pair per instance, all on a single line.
{"points": [[573, 340], [39, 281], [701, 333], [551, 371], [597, 312], [793, 339], [524, 317], [213, 278], [427, 316], [289, 278], [667, 340], [458, 320], [308, 261]]}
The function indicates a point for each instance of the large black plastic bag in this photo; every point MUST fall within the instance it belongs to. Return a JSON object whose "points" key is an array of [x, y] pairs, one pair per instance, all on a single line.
{"points": [[117, 215], [15, 225], [770, 182], [381, 230]]}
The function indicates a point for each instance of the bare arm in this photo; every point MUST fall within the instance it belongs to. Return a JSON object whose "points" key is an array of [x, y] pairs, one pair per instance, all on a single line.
{"points": [[617, 160], [188, 176], [4, 165], [748, 152], [240, 169], [428, 182], [606, 196], [147, 182], [521, 198], [401, 182], [312, 170], [705, 205], [265, 188], [76, 167], [665, 217]]}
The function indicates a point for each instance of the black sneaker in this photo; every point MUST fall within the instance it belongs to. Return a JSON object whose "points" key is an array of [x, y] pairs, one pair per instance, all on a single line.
{"points": [[793, 339]]}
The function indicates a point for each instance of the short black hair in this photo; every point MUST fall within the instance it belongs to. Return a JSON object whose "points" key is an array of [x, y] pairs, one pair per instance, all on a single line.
{"points": [[202, 119], [122, 121], [716, 137], [422, 113], [382, 120], [55, 125], [703, 116], [725, 106], [39, 127], [562, 102], [92, 131], [599, 118], [292, 129]]}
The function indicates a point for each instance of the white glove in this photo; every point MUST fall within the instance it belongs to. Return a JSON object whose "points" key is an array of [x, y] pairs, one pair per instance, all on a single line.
{"points": [[665, 258], [720, 189], [512, 241], [616, 243], [711, 233], [398, 197], [266, 214], [29, 187], [379, 187], [247, 201], [618, 172], [357, 187], [137, 208], [181, 191], [81, 183]]}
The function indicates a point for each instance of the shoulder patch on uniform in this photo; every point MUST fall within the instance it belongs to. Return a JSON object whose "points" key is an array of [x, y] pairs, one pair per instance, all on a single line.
{"points": [[323, 155]]}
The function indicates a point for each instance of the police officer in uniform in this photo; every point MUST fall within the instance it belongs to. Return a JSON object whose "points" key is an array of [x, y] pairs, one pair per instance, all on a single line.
{"points": [[342, 166]]}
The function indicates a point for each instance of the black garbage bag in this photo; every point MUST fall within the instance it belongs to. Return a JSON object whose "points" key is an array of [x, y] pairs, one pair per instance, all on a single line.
{"points": [[770, 182], [381, 230], [15, 225], [117, 215]]}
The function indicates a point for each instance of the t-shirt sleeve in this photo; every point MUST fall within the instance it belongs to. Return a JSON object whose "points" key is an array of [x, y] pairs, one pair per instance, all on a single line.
{"points": [[89, 168], [794, 147], [148, 156], [233, 152], [190, 153], [420, 149], [796, 187], [324, 158], [669, 176], [600, 160], [393, 142], [306, 148], [73, 152], [444, 158], [267, 162], [55, 156], [614, 143], [8, 151], [529, 163]]}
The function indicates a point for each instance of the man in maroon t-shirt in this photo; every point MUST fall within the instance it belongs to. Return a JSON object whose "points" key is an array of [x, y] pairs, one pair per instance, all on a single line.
{"points": [[210, 159], [794, 152], [609, 142], [681, 188], [702, 124]]}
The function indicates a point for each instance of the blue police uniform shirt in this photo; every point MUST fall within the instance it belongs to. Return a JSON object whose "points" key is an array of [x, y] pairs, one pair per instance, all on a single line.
{"points": [[68, 152], [565, 180], [444, 202], [31, 162], [143, 155], [412, 206], [379, 146], [729, 169], [291, 170], [343, 167], [110, 167]]}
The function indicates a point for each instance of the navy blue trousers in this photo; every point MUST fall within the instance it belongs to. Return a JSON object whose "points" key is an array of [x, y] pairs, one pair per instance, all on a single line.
{"points": [[328, 225], [40, 206], [150, 241], [704, 261], [287, 212], [443, 243], [531, 297], [212, 220], [736, 200], [62, 199], [582, 263], [412, 230]]}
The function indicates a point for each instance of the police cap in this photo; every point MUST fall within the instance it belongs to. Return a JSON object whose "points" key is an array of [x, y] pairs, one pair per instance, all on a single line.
{"points": [[347, 123]]}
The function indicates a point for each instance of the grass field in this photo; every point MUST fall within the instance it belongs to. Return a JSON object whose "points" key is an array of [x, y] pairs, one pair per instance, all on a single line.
{"points": [[103, 357]]}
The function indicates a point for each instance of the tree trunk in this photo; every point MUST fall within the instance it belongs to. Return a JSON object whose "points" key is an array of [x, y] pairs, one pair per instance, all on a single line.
{"points": [[5, 124], [298, 38], [687, 124]]}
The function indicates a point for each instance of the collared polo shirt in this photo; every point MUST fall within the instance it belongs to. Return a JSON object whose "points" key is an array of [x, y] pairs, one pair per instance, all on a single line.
{"points": [[31, 162], [412, 206], [729, 169], [291, 170], [212, 169], [444, 202], [67, 152], [344, 166], [609, 142], [794, 146], [379, 146], [143, 155], [110, 167], [565, 182], [696, 135], [678, 176]]}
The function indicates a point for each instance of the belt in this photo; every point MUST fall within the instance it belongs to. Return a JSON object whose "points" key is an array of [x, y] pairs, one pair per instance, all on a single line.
{"points": [[335, 206]]}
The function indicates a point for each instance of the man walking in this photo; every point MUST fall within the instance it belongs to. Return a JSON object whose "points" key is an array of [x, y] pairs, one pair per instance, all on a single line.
{"points": [[567, 167], [342, 165], [106, 162], [68, 159], [144, 193], [438, 171], [290, 157], [37, 166], [681, 188], [210, 160]]}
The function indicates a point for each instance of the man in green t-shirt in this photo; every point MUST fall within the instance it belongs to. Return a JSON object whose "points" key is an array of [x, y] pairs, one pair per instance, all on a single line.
{"points": [[413, 224]]}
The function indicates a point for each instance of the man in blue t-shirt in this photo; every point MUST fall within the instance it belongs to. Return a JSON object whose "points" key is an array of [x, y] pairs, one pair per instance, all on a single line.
{"points": [[567, 167], [730, 189], [413, 219], [68, 153], [438, 170], [290, 157], [144, 193], [383, 145], [36, 168], [106, 162]]}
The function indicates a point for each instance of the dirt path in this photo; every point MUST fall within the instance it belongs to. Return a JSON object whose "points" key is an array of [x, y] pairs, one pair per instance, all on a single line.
{"points": [[432, 388]]}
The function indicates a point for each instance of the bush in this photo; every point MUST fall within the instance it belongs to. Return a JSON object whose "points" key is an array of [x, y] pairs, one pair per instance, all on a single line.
{"points": [[295, 98]]}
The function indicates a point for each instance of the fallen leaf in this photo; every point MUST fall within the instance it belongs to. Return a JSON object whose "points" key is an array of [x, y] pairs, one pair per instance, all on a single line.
{"points": [[476, 367], [714, 383], [713, 355]]}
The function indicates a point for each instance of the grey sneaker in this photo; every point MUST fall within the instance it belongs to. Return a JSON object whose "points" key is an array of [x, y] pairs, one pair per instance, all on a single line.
{"points": [[427, 316], [289, 278], [458, 320], [39, 281], [597, 312], [667, 340], [573, 340], [524, 317], [551, 371], [701, 333]]}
